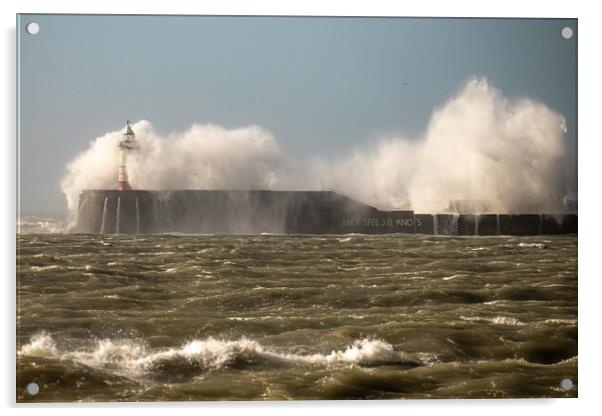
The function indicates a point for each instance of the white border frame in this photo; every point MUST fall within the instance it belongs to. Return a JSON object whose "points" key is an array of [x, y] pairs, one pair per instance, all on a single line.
{"points": [[590, 232]]}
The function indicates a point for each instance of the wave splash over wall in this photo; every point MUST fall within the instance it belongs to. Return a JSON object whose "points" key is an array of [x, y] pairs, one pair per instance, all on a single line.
{"points": [[478, 146], [203, 157]]}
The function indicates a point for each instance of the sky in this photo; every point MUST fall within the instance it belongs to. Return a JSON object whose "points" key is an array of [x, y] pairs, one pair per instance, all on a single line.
{"points": [[321, 86]]}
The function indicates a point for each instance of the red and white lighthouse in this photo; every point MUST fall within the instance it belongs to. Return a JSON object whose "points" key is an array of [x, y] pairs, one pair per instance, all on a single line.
{"points": [[127, 142]]}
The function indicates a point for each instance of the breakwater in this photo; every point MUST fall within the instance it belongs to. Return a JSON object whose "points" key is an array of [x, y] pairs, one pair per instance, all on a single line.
{"points": [[286, 212]]}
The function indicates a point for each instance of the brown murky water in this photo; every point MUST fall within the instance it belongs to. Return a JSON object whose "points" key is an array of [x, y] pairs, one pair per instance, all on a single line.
{"points": [[174, 317]]}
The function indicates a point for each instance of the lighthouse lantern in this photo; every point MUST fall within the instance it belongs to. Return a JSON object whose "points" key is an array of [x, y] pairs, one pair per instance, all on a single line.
{"points": [[127, 142]]}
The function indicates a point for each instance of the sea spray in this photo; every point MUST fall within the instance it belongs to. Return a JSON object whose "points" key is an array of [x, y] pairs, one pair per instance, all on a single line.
{"points": [[30, 224], [40, 345], [479, 145], [202, 157]]}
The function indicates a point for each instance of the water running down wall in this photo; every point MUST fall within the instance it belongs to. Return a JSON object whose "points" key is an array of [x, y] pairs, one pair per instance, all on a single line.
{"points": [[286, 212]]}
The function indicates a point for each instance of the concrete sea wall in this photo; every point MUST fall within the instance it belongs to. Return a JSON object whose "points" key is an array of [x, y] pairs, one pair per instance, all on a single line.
{"points": [[285, 212]]}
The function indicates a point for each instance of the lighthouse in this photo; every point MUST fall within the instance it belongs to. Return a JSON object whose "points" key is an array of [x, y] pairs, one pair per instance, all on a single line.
{"points": [[127, 142]]}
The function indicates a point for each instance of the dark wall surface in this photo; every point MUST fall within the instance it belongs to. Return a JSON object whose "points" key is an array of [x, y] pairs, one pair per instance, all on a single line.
{"points": [[285, 212]]}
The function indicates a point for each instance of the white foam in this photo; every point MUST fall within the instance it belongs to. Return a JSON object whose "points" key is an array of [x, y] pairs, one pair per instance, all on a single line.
{"points": [[561, 321], [44, 268], [344, 240], [534, 245], [498, 320], [362, 352], [40, 345], [505, 320], [452, 277], [35, 225], [133, 360]]}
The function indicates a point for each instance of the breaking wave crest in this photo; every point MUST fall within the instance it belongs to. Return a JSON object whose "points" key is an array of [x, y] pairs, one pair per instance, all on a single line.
{"points": [[39, 225], [40, 345], [498, 320], [132, 359], [532, 245]]}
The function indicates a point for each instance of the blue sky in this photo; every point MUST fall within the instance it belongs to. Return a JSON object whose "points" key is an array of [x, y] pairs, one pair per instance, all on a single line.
{"points": [[322, 86]]}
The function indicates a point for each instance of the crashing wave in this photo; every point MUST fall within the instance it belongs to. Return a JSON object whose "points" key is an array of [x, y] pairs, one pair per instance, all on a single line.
{"points": [[133, 360], [35, 225], [40, 345]]}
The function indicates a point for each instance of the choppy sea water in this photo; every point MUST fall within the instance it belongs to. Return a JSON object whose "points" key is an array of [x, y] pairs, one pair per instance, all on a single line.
{"points": [[174, 317]]}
